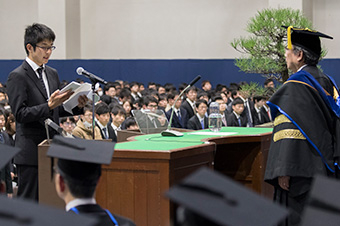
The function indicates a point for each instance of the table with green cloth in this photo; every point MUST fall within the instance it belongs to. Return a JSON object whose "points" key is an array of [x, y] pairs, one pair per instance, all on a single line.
{"points": [[144, 167]]}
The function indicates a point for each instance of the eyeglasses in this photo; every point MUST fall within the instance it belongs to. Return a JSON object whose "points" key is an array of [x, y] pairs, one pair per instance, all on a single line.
{"points": [[46, 48], [69, 124]]}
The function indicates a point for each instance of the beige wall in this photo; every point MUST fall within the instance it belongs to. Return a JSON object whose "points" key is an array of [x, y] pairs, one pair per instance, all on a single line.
{"points": [[149, 29]]}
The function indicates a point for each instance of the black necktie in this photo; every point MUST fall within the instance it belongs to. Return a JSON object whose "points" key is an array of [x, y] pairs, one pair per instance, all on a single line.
{"points": [[179, 115], [105, 135], [40, 71]]}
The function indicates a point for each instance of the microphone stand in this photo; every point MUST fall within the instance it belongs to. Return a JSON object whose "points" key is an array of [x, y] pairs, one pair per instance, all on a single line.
{"points": [[173, 133], [93, 96]]}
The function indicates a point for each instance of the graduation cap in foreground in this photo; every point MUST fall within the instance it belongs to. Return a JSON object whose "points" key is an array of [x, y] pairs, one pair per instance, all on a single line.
{"points": [[323, 207], [305, 38], [15, 212], [223, 201], [80, 159], [7, 153]]}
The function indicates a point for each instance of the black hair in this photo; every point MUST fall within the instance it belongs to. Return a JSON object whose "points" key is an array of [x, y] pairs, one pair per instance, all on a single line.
{"points": [[101, 108], [108, 86], [217, 97], [117, 109], [148, 99], [237, 100], [130, 121], [268, 80], [191, 88], [64, 119], [36, 33], [125, 92], [200, 101]]}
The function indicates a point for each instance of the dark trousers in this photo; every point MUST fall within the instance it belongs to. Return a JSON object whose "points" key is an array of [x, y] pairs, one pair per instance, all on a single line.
{"points": [[28, 182], [294, 204]]}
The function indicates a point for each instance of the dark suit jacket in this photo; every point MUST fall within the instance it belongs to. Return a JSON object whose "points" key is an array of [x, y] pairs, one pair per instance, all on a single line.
{"points": [[232, 120], [104, 219], [112, 134], [185, 105], [195, 124], [264, 115], [28, 101], [176, 123]]}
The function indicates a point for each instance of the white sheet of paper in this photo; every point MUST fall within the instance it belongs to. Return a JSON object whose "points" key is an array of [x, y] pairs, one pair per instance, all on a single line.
{"points": [[209, 133], [70, 103]]}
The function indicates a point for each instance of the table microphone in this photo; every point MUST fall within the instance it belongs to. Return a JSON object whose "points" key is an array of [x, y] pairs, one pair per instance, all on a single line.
{"points": [[168, 131]]}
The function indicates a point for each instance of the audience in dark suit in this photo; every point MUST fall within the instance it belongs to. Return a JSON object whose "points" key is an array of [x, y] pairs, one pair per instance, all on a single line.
{"points": [[102, 113], [180, 117], [199, 120], [235, 118], [189, 103]]}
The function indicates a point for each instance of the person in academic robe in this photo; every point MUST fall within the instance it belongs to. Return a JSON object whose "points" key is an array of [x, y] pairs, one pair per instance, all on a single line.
{"points": [[199, 121], [76, 181], [305, 138]]}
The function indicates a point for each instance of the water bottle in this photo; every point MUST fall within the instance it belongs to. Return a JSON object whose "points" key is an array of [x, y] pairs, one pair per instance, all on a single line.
{"points": [[215, 118]]}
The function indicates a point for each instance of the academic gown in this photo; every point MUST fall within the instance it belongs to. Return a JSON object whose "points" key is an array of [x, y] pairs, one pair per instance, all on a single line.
{"points": [[104, 219], [305, 136]]}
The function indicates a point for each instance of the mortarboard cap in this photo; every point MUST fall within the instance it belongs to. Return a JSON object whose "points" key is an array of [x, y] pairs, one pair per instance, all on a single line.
{"points": [[81, 159], [323, 206], [7, 153], [305, 38], [221, 200], [15, 212]]}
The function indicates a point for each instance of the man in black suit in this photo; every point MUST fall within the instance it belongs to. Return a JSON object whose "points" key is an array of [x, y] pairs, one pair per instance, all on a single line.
{"points": [[258, 117], [33, 91], [102, 113], [180, 117], [199, 120], [118, 115], [235, 118], [76, 181], [189, 103]]}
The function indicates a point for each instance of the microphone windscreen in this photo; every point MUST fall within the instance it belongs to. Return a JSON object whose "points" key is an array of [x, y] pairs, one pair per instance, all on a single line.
{"points": [[195, 80], [80, 70]]}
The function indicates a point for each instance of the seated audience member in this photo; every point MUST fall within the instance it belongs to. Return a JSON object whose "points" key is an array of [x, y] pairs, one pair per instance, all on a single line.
{"points": [[76, 181], [169, 88], [134, 88], [102, 113], [152, 85], [118, 116], [110, 90], [161, 90], [2, 119], [148, 117], [5, 172], [189, 103], [68, 124], [222, 107], [141, 87], [203, 95], [235, 118], [206, 85], [162, 101], [225, 97], [234, 94], [180, 117], [108, 100], [199, 120], [10, 127], [128, 106], [130, 124], [171, 100], [84, 126], [257, 114], [269, 83], [221, 88], [124, 95]]}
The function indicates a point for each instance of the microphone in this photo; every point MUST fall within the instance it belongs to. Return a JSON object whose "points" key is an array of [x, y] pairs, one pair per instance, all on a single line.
{"points": [[53, 125], [168, 131], [92, 77], [198, 77]]}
